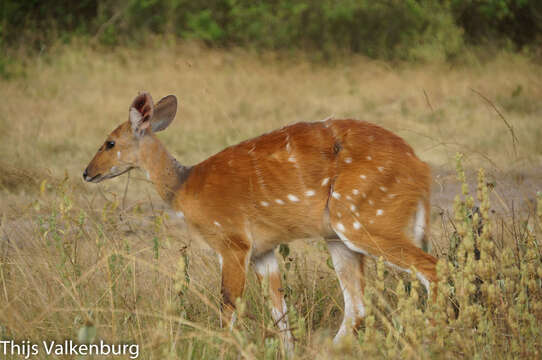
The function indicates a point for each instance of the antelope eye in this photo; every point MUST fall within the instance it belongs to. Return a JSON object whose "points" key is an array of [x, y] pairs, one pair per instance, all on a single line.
{"points": [[109, 144]]}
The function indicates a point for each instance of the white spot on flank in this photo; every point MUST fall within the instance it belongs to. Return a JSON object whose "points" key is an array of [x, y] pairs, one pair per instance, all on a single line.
{"points": [[356, 225], [380, 168], [371, 222], [217, 223], [291, 159], [348, 197], [363, 177], [371, 202], [340, 227], [339, 215], [180, 214], [279, 201], [383, 189], [325, 181], [369, 158], [293, 198], [391, 196], [264, 203], [353, 207], [379, 212], [309, 193], [336, 195], [118, 154], [355, 191], [364, 195], [409, 153], [348, 160]]}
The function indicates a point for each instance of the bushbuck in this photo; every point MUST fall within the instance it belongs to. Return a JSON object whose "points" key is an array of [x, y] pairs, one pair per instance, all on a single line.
{"points": [[355, 184]]}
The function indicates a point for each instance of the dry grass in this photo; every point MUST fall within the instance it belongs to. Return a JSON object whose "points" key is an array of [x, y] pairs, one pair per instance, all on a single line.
{"points": [[73, 254]]}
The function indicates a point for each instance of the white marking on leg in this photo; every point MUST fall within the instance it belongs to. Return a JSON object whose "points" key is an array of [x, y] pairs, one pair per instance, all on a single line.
{"points": [[265, 266], [233, 320], [345, 261], [424, 282], [419, 225]]}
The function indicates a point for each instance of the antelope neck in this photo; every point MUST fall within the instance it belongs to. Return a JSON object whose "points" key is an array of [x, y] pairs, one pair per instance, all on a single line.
{"points": [[163, 170]]}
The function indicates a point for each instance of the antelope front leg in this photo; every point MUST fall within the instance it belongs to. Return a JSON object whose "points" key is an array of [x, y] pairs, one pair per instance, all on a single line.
{"points": [[234, 262], [267, 269]]}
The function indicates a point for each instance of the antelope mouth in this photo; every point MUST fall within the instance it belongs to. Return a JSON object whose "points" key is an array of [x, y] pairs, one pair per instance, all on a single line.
{"points": [[95, 179]]}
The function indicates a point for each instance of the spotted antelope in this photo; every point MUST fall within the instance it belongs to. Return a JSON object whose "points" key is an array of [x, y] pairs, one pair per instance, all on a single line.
{"points": [[353, 183]]}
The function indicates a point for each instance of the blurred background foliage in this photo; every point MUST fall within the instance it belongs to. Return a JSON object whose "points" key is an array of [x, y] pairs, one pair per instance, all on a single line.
{"points": [[409, 30]]}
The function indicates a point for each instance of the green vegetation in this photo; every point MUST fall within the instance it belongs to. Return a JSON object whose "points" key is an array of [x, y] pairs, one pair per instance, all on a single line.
{"points": [[411, 30]]}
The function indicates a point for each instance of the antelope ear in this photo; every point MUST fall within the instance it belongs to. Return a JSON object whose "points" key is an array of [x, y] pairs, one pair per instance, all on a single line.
{"points": [[164, 113], [141, 112]]}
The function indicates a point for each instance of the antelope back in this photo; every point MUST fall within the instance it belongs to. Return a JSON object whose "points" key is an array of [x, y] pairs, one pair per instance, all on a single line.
{"points": [[281, 183]]}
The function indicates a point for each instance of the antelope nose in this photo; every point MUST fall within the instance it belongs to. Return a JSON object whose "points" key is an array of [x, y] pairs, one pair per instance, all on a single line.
{"points": [[85, 174]]}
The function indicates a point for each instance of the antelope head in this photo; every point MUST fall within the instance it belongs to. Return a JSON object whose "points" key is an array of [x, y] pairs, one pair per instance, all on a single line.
{"points": [[121, 150]]}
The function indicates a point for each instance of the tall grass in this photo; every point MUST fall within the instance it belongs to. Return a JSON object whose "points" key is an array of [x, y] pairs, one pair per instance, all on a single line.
{"points": [[78, 260]]}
